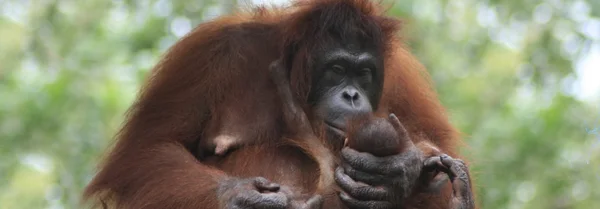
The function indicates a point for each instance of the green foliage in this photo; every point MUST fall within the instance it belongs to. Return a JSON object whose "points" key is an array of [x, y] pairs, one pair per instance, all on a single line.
{"points": [[504, 69]]}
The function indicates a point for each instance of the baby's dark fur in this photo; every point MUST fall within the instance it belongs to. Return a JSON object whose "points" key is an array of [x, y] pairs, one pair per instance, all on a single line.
{"points": [[378, 136]]}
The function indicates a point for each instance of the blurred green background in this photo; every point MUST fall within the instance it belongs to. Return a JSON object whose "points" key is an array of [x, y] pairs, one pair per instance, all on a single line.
{"points": [[520, 78]]}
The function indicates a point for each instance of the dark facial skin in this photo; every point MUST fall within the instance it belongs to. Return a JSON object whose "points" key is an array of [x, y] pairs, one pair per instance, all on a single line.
{"points": [[346, 82]]}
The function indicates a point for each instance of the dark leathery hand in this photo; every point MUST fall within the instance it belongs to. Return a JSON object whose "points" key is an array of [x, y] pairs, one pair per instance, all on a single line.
{"points": [[458, 172], [249, 193], [369, 181]]}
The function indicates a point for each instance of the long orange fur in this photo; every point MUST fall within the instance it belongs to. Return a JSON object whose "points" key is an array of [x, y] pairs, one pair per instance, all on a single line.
{"points": [[222, 66]]}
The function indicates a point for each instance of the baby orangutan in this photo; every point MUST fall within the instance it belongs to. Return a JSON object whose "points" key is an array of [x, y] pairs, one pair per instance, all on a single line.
{"points": [[377, 136], [381, 137]]}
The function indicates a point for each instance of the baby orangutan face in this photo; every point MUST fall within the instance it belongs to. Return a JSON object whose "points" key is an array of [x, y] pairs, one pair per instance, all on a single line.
{"points": [[378, 136]]}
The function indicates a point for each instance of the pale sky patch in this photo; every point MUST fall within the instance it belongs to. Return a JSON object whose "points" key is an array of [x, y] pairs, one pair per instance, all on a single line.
{"points": [[587, 85]]}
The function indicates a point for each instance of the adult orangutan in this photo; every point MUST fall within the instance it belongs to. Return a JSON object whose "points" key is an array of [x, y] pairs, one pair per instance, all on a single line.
{"points": [[344, 59]]}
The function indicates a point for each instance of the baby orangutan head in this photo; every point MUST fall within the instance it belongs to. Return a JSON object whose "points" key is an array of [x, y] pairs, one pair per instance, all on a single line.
{"points": [[378, 136]]}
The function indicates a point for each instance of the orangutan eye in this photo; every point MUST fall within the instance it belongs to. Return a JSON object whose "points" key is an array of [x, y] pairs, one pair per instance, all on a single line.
{"points": [[364, 72], [338, 69]]}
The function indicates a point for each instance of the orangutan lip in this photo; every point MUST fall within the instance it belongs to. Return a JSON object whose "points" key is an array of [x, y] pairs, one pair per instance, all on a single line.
{"points": [[335, 128], [332, 125]]}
